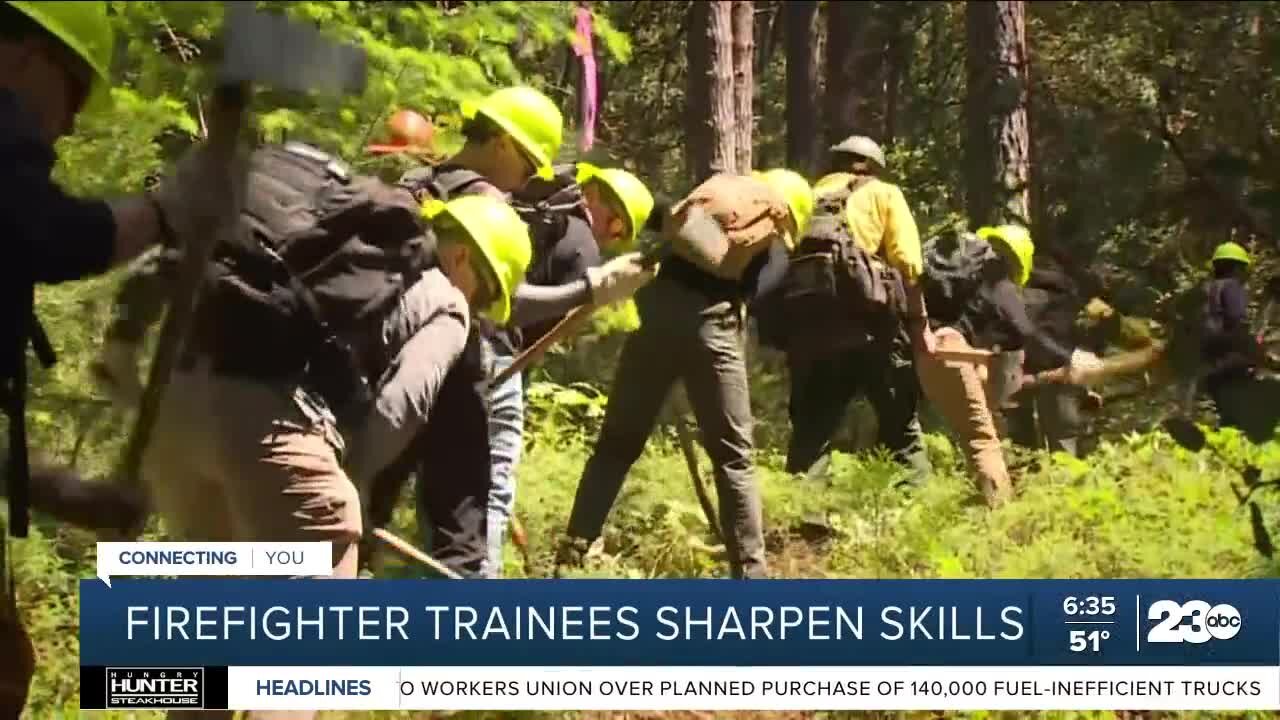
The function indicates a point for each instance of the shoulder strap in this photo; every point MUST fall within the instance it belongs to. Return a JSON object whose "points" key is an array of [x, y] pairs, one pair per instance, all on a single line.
{"points": [[858, 182], [334, 167], [442, 182]]}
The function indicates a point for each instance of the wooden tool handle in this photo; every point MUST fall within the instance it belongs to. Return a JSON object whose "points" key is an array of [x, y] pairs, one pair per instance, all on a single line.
{"points": [[570, 324], [1112, 367], [226, 118], [689, 450], [414, 553], [977, 357]]}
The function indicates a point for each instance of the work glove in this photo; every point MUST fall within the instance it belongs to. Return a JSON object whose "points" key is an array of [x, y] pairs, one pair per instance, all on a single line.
{"points": [[618, 279], [116, 373], [1083, 363], [204, 191]]}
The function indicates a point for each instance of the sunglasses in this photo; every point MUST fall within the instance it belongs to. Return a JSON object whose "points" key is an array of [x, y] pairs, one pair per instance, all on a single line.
{"points": [[614, 205]]}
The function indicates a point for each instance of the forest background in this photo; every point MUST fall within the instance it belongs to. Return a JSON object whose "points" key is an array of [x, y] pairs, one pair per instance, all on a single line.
{"points": [[1132, 136]]}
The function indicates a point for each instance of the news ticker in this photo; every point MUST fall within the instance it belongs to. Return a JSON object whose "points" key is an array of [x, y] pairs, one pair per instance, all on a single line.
{"points": [[679, 688]]}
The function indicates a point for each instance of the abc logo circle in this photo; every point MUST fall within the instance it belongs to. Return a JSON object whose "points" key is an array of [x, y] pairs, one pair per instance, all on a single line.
{"points": [[1223, 622]]}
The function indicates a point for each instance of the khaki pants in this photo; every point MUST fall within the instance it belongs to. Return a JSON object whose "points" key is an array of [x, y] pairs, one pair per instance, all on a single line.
{"points": [[960, 392], [236, 460]]}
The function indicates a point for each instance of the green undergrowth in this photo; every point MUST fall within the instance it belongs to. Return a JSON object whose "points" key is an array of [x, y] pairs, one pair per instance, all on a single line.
{"points": [[1138, 507]]}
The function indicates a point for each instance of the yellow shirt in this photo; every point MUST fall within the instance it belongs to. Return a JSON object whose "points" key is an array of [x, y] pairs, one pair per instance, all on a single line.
{"points": [[880, 222]]}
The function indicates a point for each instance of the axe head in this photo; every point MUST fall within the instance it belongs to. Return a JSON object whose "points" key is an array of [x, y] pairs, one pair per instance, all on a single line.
{"points": [[270, 49]]}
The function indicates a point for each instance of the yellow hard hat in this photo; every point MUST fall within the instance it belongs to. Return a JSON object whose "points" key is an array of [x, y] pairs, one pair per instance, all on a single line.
{"points": [[795, 190], [1018, 240], [1232, 252], [635, 198], [501, 236], [83, 27], [529, 117]]}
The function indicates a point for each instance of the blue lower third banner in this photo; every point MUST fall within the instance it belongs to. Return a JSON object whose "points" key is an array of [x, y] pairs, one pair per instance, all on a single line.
{"points": [[680, 644]]}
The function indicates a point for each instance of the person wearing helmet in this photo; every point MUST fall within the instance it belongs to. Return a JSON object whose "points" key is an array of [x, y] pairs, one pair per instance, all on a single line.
{"points": [[408, 133], [984, 310], [260, 456], [54, 64], [1229, 351], [583, 213], [482, 251], [877, 218], [692, 330], [1052, 416], [428, 378], [511, 136], [619, 205]]}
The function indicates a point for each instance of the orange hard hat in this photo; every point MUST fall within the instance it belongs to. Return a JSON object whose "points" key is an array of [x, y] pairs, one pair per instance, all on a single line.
{"points": [[410, 132]]}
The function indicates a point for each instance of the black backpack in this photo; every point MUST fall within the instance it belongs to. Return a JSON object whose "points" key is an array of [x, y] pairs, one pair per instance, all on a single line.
{"points": [[546, 206], [444, 182], [835, 295], [322, 258], [954, 266]]}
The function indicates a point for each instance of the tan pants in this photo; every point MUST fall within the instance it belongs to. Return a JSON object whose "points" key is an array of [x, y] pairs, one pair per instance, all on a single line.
{"points": [[232, 460], [961, 393]]}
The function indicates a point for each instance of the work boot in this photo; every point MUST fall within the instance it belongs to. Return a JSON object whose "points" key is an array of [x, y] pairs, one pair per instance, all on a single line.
{"points": [[572, 554]]}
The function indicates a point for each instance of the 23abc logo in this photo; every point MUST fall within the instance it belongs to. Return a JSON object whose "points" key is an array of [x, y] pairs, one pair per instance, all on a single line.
{"points": [[1192, 622]]}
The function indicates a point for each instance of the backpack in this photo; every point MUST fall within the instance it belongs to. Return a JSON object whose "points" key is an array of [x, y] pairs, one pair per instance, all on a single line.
{"points": [[546, 206], [954, 264], [1221, 347], [444, 182], [321, 259], [748, 211], [835, 295]]}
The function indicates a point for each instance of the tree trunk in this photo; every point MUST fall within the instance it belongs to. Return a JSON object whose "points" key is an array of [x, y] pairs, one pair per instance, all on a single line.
{"points": [[697, 128], [743, 82], [802, 85], [839, 103], [897, 65], [856, 49], [724, 150], [997, 145], [768, 34]]}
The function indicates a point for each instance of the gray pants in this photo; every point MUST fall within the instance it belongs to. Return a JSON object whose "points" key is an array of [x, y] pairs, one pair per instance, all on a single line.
{"points": [[1049, 417], [683, 336]]}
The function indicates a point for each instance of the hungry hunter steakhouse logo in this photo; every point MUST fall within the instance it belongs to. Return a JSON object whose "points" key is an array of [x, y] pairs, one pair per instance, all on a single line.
{"points": [[140, 687]]}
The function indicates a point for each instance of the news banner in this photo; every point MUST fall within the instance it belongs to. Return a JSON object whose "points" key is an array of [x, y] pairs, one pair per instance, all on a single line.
{"points": [[272, 643]]}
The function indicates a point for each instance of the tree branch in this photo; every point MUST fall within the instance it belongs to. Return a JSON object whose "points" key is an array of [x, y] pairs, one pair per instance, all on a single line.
{"points": [[185, 56], [1240, 212]]}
